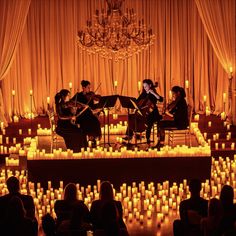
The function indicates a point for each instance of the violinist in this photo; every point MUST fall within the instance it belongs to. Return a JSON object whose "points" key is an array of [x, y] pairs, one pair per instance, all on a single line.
{"points": [[179, 110], [72, 134], [87, 120], [147, 104]]}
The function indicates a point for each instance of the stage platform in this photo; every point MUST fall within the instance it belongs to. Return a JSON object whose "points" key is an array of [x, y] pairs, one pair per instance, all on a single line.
{"points": [[120, 170]]}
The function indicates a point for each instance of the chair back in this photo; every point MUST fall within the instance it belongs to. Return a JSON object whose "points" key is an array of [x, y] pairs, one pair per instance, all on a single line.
{"points": [[190, 114]]}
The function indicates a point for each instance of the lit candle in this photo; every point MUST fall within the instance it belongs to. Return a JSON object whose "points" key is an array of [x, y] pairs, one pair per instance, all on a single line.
{"points": [[224, 97], [228, 127], [29, 131], [14, 140], [20, 131], [48, 100], [70, 85], [13, 92], [204, 98], [115, 83], [186, 84], [139, 86], [170, 95], [31, 92], [7, 140], [223, 145], [232, 146], [216, 146], [209, 123]]}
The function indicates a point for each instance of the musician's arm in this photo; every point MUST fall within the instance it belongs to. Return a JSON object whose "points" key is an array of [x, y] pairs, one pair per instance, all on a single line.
{"points": [[157, 96]]}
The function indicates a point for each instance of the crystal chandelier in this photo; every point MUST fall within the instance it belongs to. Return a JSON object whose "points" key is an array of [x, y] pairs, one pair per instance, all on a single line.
{"points": [[115, 35]]}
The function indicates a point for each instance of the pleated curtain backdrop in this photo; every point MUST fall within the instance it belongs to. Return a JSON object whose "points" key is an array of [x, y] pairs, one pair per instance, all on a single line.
{"points": [[48, 56]]}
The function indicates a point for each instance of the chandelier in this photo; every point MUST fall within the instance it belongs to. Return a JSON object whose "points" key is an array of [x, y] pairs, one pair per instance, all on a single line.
{"points": [[113, 34]]}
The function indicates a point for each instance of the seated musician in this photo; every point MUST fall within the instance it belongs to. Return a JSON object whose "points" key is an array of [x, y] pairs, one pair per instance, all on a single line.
{"points": [[72, 134], [178, 109], [88, 121], [150, 114]]}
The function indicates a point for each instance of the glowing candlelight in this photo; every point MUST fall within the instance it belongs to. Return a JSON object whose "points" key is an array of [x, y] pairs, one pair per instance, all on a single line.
{"points": [[224, 97], [70, 85], [204, 98], [115, 83], [13, 92], [48, 100], [186, 84], [31, 92], [139, 86]]}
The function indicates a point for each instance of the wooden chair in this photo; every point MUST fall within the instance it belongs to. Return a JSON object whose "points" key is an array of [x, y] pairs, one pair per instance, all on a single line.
{"points": [[174, 133]]}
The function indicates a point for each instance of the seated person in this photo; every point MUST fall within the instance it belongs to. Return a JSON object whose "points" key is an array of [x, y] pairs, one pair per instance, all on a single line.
{"points": [[16, 222], [64, 208], [179, 109], [149, 113], [13, 186], [227, 225], [191, 212], [106, 195], [210, 225], [74, 137], [110, 221], [89, 122]]}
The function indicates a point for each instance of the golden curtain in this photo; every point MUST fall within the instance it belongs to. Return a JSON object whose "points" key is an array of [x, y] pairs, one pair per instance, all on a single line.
{"points": [[48, 56]]}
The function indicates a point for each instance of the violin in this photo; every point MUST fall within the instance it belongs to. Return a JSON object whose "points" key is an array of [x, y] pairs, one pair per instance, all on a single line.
{"points": [[92, 96]]}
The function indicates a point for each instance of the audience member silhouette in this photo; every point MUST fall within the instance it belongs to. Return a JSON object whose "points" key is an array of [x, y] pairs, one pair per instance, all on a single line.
{"points": [[229, 210], [75, 225], [110, 221], [16, 223], [191, 211], [13, 187], [64, 208], [48, 225], [106, 195], [210, 225]]}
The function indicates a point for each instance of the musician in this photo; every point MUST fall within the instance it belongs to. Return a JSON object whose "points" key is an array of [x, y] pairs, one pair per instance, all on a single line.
{"points": [[72, 134], [87, 120], [179, 110], [150, 114]]}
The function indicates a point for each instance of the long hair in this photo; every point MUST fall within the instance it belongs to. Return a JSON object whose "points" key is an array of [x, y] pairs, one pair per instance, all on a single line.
{"points": [[151, 84], [106, 191], [180, 90], [59, 97], [70, 192]]}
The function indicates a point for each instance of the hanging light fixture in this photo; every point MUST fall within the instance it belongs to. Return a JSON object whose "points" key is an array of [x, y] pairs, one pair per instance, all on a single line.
{"points": [[114, 34]]}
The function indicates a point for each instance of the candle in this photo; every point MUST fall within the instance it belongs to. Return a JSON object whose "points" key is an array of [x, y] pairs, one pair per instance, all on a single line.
{"points": [[186, 84], [29, 131], [209, 123], [231, 69], [48, 100], [224, 97], [170, 95], [232, 146], [223, 145], [115, 83], [70, 85], [14, 140], [13, 92], [7, 140], [204, 98], [15, 119], [139, 86], [31, 92], [216, 146], [20, 131], [228, 127]]}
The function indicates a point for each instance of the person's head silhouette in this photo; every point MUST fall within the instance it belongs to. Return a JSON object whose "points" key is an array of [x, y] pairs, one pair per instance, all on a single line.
{"points": [[70, 192], [13, 185], [195, 187], [227, 196], [106, 191]]}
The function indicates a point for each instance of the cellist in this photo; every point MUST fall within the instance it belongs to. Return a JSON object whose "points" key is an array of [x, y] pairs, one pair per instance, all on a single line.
{"points": [[179, 110], [147, 104]]}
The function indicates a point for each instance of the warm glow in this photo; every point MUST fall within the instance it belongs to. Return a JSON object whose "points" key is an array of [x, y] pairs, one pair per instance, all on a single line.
{"points": [[13, 92], [186, 84], [31, 92], [48, 100], [70, 85]]}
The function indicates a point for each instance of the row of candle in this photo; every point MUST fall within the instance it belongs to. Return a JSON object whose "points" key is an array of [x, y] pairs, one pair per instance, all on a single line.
{"points": [[140, 201]]}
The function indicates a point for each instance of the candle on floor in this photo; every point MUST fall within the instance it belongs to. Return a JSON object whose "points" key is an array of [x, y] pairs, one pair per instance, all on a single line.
{"points": [[29, 131], [20, 131]]}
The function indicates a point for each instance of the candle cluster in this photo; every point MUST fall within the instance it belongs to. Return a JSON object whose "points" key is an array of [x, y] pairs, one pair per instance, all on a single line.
{"points": [[141, 201]]}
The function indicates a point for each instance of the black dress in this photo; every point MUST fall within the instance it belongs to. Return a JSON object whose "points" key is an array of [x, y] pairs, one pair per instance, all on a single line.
{"points": [[147, 120], [74, 137], [87, 120], [180, 113]]}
